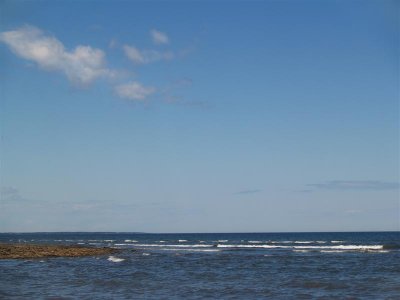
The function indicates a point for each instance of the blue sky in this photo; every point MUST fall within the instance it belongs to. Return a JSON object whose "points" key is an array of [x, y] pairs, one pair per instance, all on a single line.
{"points": [[199, 116]]}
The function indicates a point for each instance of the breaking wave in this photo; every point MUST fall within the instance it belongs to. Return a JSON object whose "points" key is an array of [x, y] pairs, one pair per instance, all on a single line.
{"points": [[115, 259]]}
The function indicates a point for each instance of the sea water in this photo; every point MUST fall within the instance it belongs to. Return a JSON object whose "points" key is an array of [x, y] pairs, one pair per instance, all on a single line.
{"points": [[358, 265]]}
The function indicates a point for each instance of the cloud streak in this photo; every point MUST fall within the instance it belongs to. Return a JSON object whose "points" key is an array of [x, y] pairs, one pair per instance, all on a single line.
{"points": [[142, 57], [81, 66], [159, 37], [355, 185], [248, 192], [134, 91], [9, 194]]}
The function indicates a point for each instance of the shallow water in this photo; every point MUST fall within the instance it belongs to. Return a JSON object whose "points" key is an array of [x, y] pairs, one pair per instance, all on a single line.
{"points": [[218, 266]]}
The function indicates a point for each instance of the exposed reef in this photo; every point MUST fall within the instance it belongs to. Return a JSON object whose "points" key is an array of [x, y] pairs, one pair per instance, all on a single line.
{"points": [[8, 251]]}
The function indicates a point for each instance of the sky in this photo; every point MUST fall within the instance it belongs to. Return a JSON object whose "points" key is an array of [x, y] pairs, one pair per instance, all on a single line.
{"points": [[199, 116]]}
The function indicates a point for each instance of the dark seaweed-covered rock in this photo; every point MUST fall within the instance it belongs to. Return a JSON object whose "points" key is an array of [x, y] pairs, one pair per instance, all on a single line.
{"points": [[38, 251]]}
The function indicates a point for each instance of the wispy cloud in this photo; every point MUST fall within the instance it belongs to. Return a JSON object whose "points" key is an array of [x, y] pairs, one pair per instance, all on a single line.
{"points": [[9, 194], [113, 44], [171, 94], [248, 192], [81, 66], [159, 37], [134, 91], [141, 57], [179, 100], [355, 185]]}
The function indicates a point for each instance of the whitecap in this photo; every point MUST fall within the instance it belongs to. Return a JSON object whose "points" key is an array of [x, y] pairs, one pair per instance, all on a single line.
{"points": [[343, 247], [130, 241], [222, 241], [337, 242], [253, 246], [255, 242], [190, 250], [115, 259], [306, 247], [174, 245], [181, 241], [145, 254]]}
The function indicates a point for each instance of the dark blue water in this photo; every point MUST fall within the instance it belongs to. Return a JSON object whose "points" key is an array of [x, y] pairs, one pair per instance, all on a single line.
{"points": [[213, 266]]}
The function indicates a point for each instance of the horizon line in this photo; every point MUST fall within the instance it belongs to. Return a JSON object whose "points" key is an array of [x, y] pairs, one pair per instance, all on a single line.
{"points": [[243, 232]]}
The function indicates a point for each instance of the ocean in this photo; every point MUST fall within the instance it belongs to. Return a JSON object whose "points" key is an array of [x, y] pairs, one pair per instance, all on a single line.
{"points": [[357, 265]]}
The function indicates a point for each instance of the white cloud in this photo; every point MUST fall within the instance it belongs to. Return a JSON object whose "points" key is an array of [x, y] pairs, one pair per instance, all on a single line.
{"points": [[159, 37], [82, 66], [141, 57], [134, 91]]}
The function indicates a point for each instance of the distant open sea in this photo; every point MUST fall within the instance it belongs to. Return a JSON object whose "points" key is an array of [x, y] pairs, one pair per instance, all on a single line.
{"points": [[358, 265]]}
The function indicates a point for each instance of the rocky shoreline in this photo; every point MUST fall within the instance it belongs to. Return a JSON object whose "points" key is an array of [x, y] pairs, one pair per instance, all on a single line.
{"points": [[15, 251]]}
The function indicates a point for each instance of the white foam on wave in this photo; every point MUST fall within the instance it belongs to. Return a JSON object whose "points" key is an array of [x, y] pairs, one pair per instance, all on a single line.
{"points": [[344, 247], [303, 242], [344, 251], [174, 245], [337, 242], [145, 254], [222, 241], [252, 246], [308, 247], [130, 241], [109, 241], [190, 250], [182, 241], [309, 242], [115, 259], [255, 242]]}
